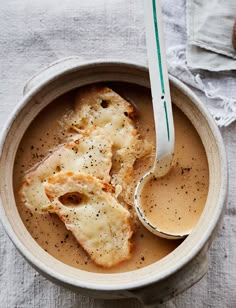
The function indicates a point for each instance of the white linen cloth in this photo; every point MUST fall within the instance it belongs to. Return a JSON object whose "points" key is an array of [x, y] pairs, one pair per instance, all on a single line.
{"points": [[36, 33], [193, 47], [209, 34]]}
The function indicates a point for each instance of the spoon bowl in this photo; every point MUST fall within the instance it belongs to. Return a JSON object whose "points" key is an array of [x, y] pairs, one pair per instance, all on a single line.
{"points": [[138, 202]]}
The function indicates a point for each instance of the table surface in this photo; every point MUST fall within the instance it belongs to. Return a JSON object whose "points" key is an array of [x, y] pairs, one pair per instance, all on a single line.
{"points": [[36, 33]]}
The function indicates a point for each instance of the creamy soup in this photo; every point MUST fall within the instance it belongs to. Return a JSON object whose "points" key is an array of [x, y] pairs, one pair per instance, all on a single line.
{"points": [[180, 197]]}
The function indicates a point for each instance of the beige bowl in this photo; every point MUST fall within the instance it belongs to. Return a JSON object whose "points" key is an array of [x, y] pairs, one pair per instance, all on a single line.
{"points": [[154, 283]]}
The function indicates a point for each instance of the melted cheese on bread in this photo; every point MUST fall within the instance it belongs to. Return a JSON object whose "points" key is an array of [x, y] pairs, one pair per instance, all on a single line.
{"points": [[90, 153], [89, 210], [98, 105]]}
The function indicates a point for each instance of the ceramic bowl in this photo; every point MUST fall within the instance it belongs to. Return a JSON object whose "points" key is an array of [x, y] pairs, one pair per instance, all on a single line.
{"points": [[156, 282]]}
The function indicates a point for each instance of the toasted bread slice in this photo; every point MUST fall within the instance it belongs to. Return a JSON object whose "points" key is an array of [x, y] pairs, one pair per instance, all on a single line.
{"points": [[89, 210], [90, 152], [98, 105]]}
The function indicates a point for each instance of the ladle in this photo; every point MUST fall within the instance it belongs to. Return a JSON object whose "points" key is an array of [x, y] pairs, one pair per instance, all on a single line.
{"points": [[162, 109]]}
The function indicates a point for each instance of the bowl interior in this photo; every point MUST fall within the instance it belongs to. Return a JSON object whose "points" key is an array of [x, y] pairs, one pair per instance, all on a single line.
{"points": [[40, 97]]}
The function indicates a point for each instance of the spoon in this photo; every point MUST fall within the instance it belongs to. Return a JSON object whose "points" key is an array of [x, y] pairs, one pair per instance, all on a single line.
{"points": [[162, 109]]}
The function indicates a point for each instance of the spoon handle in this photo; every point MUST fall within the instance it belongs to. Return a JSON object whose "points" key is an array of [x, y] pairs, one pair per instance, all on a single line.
{"points": [[159, 80]]}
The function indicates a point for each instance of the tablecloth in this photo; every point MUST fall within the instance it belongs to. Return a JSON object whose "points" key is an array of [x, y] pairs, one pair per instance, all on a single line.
{"points": [[36, 33]]}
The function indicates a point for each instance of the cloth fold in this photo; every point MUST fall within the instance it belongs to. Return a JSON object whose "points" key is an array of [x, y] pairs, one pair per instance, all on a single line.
{"points": [[222, 105], [209, 34], [217, 89]]}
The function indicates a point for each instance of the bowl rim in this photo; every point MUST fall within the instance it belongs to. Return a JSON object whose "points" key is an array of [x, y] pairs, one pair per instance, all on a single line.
{"points": [[154, 278]]}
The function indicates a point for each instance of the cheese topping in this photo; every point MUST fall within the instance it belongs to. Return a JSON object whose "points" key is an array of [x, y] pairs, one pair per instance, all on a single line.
{"points": [[89, 210], [90, 152]]}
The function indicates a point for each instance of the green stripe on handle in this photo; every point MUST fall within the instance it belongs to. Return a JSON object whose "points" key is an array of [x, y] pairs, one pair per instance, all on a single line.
{"points": [[160, 64], [167, 122], [158, 45]]}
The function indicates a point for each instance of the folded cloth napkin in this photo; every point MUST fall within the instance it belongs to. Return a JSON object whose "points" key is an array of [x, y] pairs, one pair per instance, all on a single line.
{"points": [[209, 34], [216, 89]]}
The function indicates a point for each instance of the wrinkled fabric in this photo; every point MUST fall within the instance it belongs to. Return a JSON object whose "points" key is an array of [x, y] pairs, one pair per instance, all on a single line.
{"points": [[218, 88], [36, 33], [209, 34]]}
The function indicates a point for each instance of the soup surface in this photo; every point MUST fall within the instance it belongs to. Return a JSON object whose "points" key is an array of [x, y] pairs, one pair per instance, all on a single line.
{"points": [[174, 203], [180, 196]]}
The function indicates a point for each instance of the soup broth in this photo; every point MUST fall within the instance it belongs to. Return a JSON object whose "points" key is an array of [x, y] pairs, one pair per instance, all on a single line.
{"points": [[190, 171]]}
